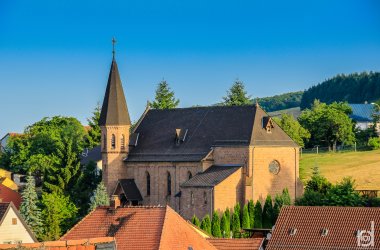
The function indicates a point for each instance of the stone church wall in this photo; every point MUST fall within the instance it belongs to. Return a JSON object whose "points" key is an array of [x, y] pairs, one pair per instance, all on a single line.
{"points": [[200, 205]]}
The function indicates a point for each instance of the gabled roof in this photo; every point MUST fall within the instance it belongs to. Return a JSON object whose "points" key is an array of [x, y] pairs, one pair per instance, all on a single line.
{"points": [[237, 244], [114, 110], [94, 154], [362, 112], [307, 223], [9, 195], [206, 127], [139, 228], [129, 189], [212, 176]]}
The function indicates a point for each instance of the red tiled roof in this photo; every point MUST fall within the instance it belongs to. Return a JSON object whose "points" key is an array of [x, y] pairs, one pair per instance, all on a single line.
{"points": [[341, 223], [9, 195], [139, 228], [83, 244], [237, 244]]}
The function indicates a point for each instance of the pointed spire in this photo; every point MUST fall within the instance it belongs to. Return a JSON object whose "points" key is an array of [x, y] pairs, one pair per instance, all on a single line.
{"points": [[113, 48], [114, 109]]}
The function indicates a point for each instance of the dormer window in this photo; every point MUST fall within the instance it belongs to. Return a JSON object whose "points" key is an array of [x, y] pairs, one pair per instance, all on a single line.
{"points": [[268, 124], [324, 232], [180, 135]]}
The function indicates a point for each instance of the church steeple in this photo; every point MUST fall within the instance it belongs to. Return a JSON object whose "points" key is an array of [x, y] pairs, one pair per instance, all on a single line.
{"points": [[114, 109]]}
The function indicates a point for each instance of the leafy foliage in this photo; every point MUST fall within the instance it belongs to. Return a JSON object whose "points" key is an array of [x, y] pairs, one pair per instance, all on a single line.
{"points": [[237, 95], [280, 102], [100, 198], [374, 142], [164, 98], [246, 220], [195, 221], [293, 129], [251, 211], [215, 225], [235, 224], [268, 213], [258, 215], [352, 88], [225, 226], [206, 224], [94, 134], [29, 210]]}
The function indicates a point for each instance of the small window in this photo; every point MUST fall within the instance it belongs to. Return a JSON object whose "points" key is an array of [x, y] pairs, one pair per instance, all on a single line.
{"points": [[14, 221], [189, 175], [113, 142], [147, 184], [169, 184], [192, 198], [205, 197], [122, 142], [104, 142]]}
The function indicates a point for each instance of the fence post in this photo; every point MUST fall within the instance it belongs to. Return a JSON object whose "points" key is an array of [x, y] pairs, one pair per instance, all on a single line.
{"points": [[355, 146], [317, 149]]}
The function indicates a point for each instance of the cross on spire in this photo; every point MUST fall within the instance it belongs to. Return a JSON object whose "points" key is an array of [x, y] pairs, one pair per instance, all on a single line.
{"points": [[113, 47]]}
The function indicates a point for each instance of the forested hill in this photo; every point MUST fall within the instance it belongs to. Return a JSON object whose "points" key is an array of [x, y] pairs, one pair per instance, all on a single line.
{"points": [[353, 88], [280, 102]]}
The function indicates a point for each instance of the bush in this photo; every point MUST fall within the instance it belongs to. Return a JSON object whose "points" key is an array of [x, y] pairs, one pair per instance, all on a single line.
{"points": [[268, 213], [251, 211], [258, 215], [206, 224], [195, 221], [245, 221], [374, 142], [215, 225], [225, 226]]}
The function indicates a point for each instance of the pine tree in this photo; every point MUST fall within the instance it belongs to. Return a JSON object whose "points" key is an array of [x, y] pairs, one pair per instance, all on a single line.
{"points": [[206, 224], [268, 213], [235, 225], [225, 226], [29, 209], [236, 95], [215, 225], [285, 196], [237, 210], [195, 221], [100, 197], [278, 203], [164, 98], [251, 211], [258, 215], [245, 221], [94, 134]]}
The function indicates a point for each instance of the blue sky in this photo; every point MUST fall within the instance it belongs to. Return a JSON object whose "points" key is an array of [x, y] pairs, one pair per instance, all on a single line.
{"points": [[55, 55]]}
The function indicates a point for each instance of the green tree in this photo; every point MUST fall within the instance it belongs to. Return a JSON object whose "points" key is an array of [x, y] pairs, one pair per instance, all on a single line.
{"points": [[235, 224], [251, 211], [29, 210], [343, 194], [195, 221], [94, 134], [237, 211], [206, 224], [100, 197], [268, 213], [285, 196], [215, 225], [237, 95], [59, 214], [293, 129], [328, 124], [246, 220], [225, 226], [164, 98], [258, 215], [278, 203]]}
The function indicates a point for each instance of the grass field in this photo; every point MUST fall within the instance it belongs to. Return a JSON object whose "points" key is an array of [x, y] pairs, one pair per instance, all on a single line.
{"points": [[363, 166]]}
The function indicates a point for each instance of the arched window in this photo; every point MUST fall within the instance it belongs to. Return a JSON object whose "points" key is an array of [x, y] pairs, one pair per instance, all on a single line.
{"points": [[122, 142], [191, 198], [189, 175], [205, 197], [113, 142], [169, 184], [104, 142], [147, 184]]}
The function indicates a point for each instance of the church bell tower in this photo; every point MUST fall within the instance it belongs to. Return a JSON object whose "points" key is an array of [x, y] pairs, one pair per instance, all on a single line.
{"points": [[115, 124]]}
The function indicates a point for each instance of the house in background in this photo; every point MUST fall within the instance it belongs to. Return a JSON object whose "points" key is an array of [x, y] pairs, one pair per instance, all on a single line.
{"points": [[9, 195], [94, 155], [363, 115], [13, 229], [299, 227], [4, 140]]}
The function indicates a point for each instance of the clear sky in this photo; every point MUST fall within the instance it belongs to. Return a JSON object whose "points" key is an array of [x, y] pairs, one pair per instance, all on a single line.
{"points": [[55, 55]]}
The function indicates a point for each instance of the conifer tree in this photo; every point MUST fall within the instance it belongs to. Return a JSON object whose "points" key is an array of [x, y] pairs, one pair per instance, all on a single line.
{"points": [[278, 203], [235, 224], [245, 221], [29, 209], [236, 95], [268, 213], [164, 98], [251, 211], [206, 224], [258, 215], [237, 210], [100, 197], [225, 226], [286, 200], [215, 225], [94, 134], [195, 221]]}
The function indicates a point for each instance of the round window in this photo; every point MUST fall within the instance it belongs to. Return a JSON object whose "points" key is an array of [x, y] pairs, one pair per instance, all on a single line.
{"points": [[274, 167]]}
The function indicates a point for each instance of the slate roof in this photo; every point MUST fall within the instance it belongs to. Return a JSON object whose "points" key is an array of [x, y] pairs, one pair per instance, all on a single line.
{"points": [[237, 244], [342, 224], [94, 154], [207, 127], [114, 110], [362, 112], [212, 176], [130, 189], [3, 209], [9, 195], [139, 228]]}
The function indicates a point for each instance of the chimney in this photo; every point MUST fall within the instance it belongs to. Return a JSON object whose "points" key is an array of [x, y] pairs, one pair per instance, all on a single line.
{"points": [[114, 202]]}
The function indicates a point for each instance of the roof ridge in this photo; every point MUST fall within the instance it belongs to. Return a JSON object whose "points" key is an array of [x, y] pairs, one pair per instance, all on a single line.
{"points": [[204, 107], [163, 228]]}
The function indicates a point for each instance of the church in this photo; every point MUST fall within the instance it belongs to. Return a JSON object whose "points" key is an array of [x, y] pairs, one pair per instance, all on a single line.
{"points": [[196, 160]]}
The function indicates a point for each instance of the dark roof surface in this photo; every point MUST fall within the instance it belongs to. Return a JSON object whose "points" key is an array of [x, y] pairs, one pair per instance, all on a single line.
{"points": [[342, 224], [362, 112], [212, 176], [93, 154], [3, 209], [114, 109], [207, 127], [130, 189]]}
